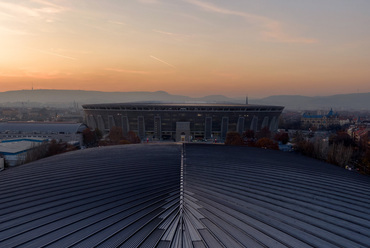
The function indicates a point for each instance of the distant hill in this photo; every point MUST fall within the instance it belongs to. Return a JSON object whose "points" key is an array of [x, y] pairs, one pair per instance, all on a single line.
{"points": [[66, 98], [356, 101], [58, 98]]}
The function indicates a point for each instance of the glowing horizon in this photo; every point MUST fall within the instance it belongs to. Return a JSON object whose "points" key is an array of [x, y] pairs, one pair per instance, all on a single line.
{"points": [[187, 47]]}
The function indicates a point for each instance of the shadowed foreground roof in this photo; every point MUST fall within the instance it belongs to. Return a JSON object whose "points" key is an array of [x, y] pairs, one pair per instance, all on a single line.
{"points": [[129, 196]]}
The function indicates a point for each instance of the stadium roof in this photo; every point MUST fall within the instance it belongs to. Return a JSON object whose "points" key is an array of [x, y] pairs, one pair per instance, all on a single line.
{"points": [[233, 197], [178, 105]]}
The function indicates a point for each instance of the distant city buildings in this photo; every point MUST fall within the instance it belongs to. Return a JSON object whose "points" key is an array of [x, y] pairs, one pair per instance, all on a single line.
{"points": [[40, 114], [344, 121], [359, 132], [320, 121]]}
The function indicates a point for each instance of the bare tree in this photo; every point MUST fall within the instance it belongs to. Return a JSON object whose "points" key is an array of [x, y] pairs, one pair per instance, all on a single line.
{"points": [[339, 154], [37, 151], [320, 149]]}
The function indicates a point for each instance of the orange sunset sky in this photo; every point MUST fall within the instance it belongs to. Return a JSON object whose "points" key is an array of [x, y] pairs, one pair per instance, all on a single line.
{"points": [[189, 47]]}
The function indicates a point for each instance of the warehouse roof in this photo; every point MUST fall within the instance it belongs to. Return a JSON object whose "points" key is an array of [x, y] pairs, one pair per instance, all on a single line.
{"points": [[17, 146], [233, 197]]}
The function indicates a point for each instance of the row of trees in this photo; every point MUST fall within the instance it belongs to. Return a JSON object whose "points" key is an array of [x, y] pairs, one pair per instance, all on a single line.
{"points": [[115, 137], [340, 150], [262, 139], [91, 138], [47, 149], [53, 147]]}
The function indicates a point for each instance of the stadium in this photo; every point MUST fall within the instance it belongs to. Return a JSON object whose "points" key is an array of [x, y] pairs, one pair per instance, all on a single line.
{"points": [[181, 122], [183, 195]]}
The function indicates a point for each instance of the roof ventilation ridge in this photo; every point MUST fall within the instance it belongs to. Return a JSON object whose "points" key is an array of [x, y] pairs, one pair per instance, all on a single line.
{"points": [[182, 224]]}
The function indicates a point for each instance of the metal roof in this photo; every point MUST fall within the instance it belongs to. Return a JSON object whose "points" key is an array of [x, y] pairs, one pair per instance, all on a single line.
{"points": [[28, 127], [129, 196], [260, 198], [18, 146], [328, 115], [179, 106]]}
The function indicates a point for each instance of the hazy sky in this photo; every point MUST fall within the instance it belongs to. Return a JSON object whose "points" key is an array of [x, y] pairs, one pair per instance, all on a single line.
{"points": [[191, 47]]}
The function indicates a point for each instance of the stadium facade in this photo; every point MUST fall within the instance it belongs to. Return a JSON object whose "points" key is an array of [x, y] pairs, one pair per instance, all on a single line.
{"points": [[181, 122]]}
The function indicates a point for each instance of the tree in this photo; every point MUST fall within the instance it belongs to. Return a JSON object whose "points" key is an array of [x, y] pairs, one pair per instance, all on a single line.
{"points": [[133, 138], [365, 163], [264, 133], [115, 134], [124, 142], [47, 149], [339, 154], [342, 138], [103, 143], [56, 147], [320, 149], [298, 136], [282, 137], [249, 134], [313, 128], [305, 147], [98, 133], [249, 137], [37, 152], [89, 138], [234, 139], [267, 144]]}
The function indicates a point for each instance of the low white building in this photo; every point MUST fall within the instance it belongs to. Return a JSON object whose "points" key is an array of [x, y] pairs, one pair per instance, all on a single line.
{"points": [[14, 151]]}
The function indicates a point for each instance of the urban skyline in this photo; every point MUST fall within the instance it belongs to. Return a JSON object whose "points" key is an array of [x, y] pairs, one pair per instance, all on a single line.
{"points": [[187, 47]]}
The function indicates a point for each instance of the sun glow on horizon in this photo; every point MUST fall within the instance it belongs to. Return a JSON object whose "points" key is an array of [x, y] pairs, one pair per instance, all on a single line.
{"points": [[190, 47]]}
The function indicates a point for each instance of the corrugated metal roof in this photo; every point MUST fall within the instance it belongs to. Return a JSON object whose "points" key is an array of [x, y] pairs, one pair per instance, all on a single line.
{"points": [[94, 197], [257, 198], [129, 196], [18, 146]]}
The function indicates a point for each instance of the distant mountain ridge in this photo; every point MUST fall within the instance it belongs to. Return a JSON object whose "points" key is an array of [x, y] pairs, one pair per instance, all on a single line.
{"points": [[355, 101], [59, 98]]}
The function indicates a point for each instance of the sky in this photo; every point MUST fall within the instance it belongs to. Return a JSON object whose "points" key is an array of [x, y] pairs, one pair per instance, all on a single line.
{"points": [[189, 47]]}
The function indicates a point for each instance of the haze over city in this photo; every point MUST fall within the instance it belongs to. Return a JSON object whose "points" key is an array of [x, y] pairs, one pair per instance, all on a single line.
{"points": [[188, 47]]}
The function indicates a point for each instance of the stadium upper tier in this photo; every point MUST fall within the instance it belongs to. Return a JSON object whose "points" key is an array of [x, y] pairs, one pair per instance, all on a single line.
{"points": [[182, 121], [183, 196]]}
